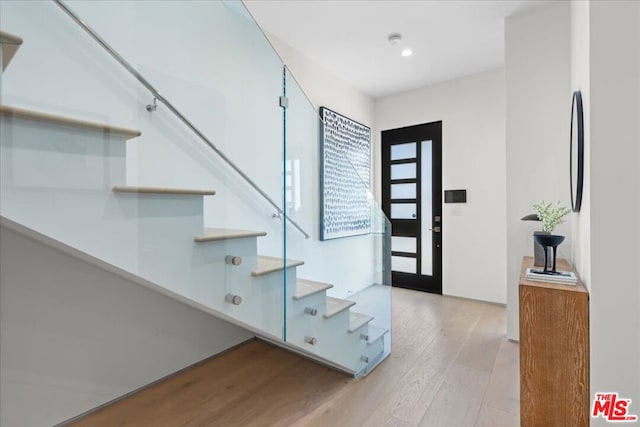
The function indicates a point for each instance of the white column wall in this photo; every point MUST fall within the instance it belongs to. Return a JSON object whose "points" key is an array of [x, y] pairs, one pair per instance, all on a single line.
{"points": [[538, 106], [580, 80], [614, 65]]}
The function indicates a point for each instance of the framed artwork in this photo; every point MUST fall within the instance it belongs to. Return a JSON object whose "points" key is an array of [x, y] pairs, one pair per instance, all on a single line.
{"points": [[345, 155]]}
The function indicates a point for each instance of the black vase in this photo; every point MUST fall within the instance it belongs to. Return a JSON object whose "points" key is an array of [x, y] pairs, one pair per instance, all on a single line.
{"points": [[538, 251], [546, 241]]}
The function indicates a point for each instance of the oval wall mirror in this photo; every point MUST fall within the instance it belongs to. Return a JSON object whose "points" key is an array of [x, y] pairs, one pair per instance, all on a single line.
{"points": [[576, 151]]}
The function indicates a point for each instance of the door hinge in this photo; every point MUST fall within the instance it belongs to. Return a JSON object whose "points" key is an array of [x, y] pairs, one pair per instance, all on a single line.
{"points": [[284, 102]]}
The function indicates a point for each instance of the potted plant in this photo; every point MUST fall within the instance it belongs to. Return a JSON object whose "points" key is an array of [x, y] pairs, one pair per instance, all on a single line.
{"points": [[551, 216]]}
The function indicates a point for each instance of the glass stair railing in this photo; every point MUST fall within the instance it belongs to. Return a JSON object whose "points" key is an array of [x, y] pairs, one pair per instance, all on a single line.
{"points": [[168, 142], [352, 269]]}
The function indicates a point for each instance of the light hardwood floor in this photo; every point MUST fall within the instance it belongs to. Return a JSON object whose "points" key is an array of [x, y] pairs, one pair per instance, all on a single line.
{"points": [[450, 366]]}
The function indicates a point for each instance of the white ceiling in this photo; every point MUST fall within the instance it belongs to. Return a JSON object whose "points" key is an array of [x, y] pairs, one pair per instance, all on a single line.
{"points": [[449, 39]]}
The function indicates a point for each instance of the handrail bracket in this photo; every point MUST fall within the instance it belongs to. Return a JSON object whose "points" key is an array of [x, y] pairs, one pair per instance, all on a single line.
{"points": [[153, 107]]}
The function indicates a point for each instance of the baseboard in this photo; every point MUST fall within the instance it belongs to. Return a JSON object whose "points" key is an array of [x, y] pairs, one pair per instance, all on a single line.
{"points": [[499, 304]]}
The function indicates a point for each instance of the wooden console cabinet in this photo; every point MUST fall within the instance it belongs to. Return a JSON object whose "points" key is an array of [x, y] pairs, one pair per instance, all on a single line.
{"points": [[554, 352]]}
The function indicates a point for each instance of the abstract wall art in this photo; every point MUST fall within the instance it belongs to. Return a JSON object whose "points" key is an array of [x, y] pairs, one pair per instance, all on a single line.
{"points": [[345, 153]]}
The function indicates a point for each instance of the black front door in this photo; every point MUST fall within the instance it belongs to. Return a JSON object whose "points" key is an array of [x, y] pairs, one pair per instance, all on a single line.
{"points": [[412, 200]]}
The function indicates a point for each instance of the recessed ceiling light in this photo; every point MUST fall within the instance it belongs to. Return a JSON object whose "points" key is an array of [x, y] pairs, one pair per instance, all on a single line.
{"points": [[394, 38], [407, 52]]}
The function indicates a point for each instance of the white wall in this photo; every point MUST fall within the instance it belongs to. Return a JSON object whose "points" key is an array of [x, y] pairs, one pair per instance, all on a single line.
{"points": [[472, 111], [74, 336], [538, 106], [580, 80], [614, 58], [324, 88]]}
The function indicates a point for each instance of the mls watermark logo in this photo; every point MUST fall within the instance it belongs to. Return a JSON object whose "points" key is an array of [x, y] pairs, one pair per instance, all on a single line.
{"points": [[612, 408]]}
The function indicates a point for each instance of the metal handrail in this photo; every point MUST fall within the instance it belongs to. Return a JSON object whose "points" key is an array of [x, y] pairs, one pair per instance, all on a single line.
{"points": [[175, 111]]}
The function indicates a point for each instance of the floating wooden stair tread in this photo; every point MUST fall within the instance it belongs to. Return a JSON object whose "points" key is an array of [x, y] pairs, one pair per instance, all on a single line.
{"points": [[336, 305], [10, 45], [6, 38], [21, 113], [267, 264], [162, 190], [215, 234], [358, 320], [375, 333], [305, 288]]}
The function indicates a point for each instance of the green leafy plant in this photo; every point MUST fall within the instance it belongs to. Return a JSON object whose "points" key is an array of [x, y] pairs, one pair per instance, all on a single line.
{"points": [[550, 215]]}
